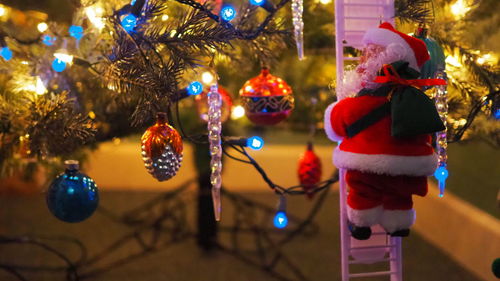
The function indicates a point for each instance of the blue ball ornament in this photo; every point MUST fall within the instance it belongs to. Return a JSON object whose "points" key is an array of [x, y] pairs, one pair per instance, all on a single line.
{"points": [[495, 267], [72, 196], [437, 57]]}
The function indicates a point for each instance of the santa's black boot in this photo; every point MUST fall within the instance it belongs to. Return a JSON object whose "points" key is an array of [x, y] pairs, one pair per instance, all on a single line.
{"points": [[360, 232], [401, 233]]}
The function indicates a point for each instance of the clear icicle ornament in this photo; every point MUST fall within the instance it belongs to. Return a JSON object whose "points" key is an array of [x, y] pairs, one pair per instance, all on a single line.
{"points": [[214, 139], [441, 100], [298, 26]]}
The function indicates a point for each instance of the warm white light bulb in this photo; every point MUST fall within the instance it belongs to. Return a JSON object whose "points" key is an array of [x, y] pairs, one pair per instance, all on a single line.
{"points": [[460, 8], [453, 61], [237, 112], [42, 27], [207, 78], [3, 11], [94, 14], [39, 86], [325, 2], [62, 55], [164, 17]]}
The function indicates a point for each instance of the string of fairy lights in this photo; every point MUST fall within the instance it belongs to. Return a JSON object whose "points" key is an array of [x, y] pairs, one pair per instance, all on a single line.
{"points": [[129, 20]]}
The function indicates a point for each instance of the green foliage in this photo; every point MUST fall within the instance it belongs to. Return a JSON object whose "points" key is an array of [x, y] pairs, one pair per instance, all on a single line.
{"points": [[122, 79]]}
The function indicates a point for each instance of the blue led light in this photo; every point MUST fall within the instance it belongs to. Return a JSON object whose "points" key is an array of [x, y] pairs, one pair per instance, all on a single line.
{"points": [[132, 2], [58, 65], [441, 173], [255, 143], [228, 13], [195, 88], [76, 31], [280, 220], [257, 2], [497, 113], [70, 190], [129, 22], [48, 40], [6, 53]]}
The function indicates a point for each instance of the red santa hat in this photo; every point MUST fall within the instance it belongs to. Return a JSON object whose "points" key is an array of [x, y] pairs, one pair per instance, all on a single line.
{"points": [[416, 51]]}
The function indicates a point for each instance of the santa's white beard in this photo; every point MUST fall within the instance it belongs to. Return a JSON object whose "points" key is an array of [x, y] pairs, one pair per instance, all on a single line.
{"points": [[363, 75]]}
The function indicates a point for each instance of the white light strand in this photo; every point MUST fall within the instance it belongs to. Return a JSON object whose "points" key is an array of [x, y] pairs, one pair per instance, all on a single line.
{"points": [[441, 100], [214, 139], [298, 26]]}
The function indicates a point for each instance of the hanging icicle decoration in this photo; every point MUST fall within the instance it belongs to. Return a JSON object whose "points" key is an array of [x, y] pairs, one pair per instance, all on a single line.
{"points": [[214, 139], [441, 100], [298, 26]]}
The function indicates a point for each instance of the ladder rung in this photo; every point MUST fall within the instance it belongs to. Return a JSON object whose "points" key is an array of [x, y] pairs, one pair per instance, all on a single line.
{"points": [[365, 18], [372, 247], [365, 5], [356, 46], [369, 274], [371, 261]]}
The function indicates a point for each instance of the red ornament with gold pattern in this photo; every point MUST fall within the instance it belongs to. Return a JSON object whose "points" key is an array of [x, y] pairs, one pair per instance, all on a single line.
{"points": [[309, 170], [267, 99], [202, 104], [161, 149], [215, 5]]}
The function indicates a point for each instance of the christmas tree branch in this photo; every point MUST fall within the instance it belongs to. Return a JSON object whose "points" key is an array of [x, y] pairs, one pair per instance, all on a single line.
{"points": [[413, 11]]}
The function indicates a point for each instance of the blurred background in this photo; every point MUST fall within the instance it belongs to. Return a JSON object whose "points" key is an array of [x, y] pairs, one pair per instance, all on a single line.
{"points": [[150, 230]]}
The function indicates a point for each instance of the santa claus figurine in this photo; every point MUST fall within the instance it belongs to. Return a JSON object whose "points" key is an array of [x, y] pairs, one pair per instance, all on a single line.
{"points": [[384, 122]]}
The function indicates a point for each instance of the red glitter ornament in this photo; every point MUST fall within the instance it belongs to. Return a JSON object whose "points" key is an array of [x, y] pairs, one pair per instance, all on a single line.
{"points": [[202, 104], [267, 99], [309, 170], [161, 147]]}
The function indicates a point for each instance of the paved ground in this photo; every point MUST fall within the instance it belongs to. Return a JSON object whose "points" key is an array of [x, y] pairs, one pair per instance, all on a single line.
{"points": [[317, 256]]}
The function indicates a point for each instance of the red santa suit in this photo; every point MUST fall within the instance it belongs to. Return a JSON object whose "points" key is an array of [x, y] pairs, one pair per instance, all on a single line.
{"points": [[383, 172]]}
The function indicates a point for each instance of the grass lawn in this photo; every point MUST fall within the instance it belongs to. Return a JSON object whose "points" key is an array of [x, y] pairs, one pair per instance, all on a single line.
{"points": [[318, 255], [475, 175]]}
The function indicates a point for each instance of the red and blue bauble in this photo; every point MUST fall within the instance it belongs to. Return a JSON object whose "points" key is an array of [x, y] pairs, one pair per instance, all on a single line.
{"points": [[437, 61], [72, 196], [267, 99]]}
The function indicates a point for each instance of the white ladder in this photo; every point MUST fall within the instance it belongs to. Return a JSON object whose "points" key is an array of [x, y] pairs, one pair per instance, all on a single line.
{"points": [[352, 19], [380, 248]]}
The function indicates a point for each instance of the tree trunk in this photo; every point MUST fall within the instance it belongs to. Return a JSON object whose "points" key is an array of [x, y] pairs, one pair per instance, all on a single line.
{"points": [[207, 226]]}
